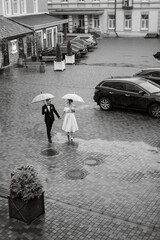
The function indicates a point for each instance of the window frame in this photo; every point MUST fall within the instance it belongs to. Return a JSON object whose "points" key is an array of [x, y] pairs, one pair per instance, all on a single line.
{"points": [[145, 22], [128, 21], [132, 84], [96, 21], [112, 21], [35, 6], [13, 7], [7, 7], [23, 9], [53, 40]]}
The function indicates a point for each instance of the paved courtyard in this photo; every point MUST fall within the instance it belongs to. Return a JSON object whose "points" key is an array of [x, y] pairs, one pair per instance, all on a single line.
{"points": [[106, 184]]}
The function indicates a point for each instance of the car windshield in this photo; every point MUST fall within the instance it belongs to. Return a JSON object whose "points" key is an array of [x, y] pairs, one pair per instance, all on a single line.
{"points": [[149, 87]]}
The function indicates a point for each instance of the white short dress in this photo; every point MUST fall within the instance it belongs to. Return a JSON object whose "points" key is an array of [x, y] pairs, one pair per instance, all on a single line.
{"points": [[69, 123]]}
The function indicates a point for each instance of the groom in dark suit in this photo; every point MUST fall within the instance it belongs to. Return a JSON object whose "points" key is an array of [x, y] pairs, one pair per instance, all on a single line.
{"points": [[48, 110]]}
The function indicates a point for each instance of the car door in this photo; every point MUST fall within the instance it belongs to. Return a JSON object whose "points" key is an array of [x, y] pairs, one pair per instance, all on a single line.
{"points": [[118, 93], [137, 98]]}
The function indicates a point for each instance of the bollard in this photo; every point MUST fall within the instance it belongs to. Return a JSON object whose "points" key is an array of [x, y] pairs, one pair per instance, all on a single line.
{"points": [[42, 67]]}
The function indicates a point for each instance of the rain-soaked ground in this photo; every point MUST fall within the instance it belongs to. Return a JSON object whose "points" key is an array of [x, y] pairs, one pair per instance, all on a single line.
{"points": [[106, 184]]}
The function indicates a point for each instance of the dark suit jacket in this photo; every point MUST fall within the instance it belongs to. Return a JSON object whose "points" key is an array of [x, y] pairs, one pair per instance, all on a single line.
{"points": [[49, 115]]}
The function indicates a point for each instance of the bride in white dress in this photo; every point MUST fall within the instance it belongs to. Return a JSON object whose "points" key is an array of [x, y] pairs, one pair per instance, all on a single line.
{"points": [[69, 124]]}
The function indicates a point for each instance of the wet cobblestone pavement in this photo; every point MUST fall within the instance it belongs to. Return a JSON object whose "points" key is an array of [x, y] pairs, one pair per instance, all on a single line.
{"points": [[103, 186]]}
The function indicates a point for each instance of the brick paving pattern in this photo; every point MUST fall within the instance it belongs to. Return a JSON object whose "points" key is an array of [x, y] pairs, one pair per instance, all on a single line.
{"points": [[104, 186]]}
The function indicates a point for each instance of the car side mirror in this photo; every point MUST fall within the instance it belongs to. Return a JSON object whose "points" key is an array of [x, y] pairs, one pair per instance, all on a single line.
{"points": [[142, 93]]}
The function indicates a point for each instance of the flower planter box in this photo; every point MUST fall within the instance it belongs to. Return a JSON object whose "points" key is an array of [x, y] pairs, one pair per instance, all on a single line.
{"points": [[34, 58], [1, 70], [26, 211], [59, 66], [20, 62], [70, 59]]}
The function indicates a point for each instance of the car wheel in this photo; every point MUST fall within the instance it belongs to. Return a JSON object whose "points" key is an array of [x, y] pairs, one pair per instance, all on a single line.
{"points": [[154, 110], [105, 104]]}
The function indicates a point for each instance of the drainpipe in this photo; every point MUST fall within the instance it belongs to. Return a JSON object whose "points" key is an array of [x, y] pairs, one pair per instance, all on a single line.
{"points": [[115, 13]]}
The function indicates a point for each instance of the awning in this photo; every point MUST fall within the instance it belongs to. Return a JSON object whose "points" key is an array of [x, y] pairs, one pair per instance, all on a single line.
{"points": [[82, 12], [10, 29], [39, 21]]}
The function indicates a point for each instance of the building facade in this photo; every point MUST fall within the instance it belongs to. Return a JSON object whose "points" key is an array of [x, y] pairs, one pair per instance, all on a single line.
{"points": [[123, 17], [37, 29]]}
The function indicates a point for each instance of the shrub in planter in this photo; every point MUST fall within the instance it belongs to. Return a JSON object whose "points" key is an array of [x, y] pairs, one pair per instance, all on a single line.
{"points": [[58, 53], [59, 64], [69, 48], [26, 201], [70, 57]]}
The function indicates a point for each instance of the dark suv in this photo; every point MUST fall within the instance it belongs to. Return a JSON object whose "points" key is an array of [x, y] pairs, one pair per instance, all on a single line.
{"points": [[133, 93], [152, 74]]}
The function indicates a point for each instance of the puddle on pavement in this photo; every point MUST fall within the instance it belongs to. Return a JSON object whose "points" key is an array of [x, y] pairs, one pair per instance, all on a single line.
{"points": [[140, 150], [49, 152], [92, 162], [76, 174]]}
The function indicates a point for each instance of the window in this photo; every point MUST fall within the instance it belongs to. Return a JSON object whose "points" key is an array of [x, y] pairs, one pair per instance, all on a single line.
{"points": [[144, 22], [108, 84], [96, 21], [39, 40], [132, 88], [15, 7], [7, 7], [35, 6], [115, 85], [14, 46], [150, 87], [126, 3], [127, 22], [49, 37], [119, 86], [23, 6], [81, 0], [81, 21], [64, 0], [156, 74], [111, 21]]}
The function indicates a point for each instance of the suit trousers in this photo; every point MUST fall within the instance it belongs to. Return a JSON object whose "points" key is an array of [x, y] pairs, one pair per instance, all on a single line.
{"points": [[49, 124]]}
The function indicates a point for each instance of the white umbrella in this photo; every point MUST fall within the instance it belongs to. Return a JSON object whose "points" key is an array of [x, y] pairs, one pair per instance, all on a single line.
{"points": [[73, 96], [42, 97]]}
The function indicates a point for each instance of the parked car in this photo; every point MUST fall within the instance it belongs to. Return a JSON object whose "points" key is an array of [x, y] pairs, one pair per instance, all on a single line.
{"points": [[89, 45], [152, 74], [52, 51], [89, 38], [133, 93], [79, 46]]}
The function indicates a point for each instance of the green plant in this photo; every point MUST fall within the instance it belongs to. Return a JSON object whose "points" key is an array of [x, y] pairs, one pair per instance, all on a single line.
{"points": [[58, 53], [25, 184], [69, 48]]}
